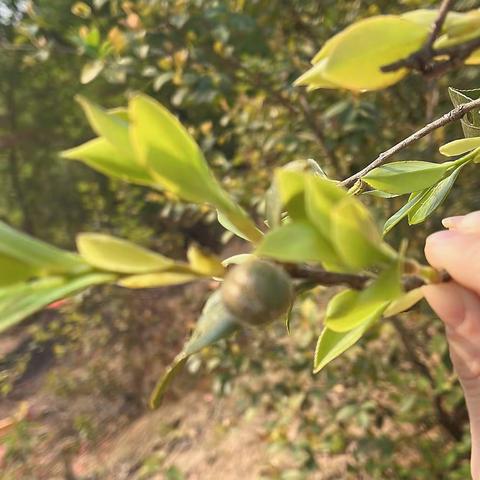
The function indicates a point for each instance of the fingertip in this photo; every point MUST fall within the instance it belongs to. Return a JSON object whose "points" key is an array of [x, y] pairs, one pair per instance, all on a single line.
{"points": [[447, 301]]}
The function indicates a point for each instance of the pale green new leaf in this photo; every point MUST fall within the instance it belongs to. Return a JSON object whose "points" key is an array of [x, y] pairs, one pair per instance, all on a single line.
{"points": [[160, 279], [403, 303], [13, 270], [356, 238], [350, 308], [355, 60], [110, 126], [332, 344], [102, 156], [432, 198], [117, 255], [458, 147], [406, 177], [398, 216], [296, 242], [41, 256], [18, 303]]}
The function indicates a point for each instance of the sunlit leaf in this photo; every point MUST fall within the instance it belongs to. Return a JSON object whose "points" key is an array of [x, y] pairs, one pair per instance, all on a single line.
{"points": [[458, 147], [43, 257], [350, 308], [160, 279], [13, 270], [296, 242], [403, 303], [205, 263], [118, 255], [356, 238], [406, 177], [100, 155], [432, 198], [91, 71], [332, 344], [17, 304], [398, 216]]}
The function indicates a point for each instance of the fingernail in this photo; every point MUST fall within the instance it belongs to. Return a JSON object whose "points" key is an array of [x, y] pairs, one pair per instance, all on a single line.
{"points": [[469, 223], [452, 222]]}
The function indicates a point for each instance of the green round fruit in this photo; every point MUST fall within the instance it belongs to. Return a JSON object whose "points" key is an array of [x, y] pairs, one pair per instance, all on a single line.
{"points": [[257, 292]]}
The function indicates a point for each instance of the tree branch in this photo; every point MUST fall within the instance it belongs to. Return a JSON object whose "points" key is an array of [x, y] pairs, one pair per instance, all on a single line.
{"points": [[453, 115], [438, 24], [318, 276]]}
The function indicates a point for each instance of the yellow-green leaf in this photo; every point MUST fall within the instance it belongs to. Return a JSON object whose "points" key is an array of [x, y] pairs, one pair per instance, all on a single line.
{"points": [[407, 176], [13, 270], [332, 344], [160, 279], [350, 308], [356, 238], [296, 242], [458, 147], [204, 262], [116, 255], [354, 59], [102, 156], [405, 302]]}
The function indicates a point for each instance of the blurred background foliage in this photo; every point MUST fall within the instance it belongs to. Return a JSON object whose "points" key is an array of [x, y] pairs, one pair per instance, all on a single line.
{"points": [[390, 408]]}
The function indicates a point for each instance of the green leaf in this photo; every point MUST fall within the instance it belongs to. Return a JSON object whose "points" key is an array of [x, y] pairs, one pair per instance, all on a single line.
{"points": [[111, 127], [45, 258], [117, 255], [321, 197], [161, 279], [176, 163], [332, 344], [291, 188], [406, 177], [215, 323], [204, 262], [18, 303], [356, 238], [458, 147], [350, 308], [296, 242], [354, 57], [236, 220], [432, 198], [403, 303], [397, 217], [13, 270], [102, 156], [163, 145]]}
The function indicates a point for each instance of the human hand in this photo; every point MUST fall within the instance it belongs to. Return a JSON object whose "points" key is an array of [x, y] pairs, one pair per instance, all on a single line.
{"points": [[457, 303]]}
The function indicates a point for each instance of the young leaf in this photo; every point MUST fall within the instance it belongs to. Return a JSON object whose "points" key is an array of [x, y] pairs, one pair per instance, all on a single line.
{"points": [[17, 304], [13, 270], [159, 279], [432, 198], [406, 177], [405, 302], [204, 263], [116, 255], [43, 257], [215, 323], [332, 344], [356, 238], [296, 242], [102, 156], [321, 197], [397, 217], [350, 308], [458, 147], [111, 127], [354, 58]]}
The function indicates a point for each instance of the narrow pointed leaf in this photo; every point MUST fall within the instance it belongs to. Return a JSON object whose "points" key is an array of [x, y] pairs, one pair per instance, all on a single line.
{"points": [[458, 147], [398, 216], [117, 255]]}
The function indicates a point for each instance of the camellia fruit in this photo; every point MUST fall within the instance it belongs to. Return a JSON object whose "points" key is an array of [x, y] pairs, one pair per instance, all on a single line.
{"points": [[257, 292]]}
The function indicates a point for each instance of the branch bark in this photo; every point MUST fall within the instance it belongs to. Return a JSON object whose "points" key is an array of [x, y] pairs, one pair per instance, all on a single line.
{"points": [[453, 115]]}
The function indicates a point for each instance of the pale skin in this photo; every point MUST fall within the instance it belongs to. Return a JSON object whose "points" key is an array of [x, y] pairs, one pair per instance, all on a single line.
{"points": [[457, 303]]}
